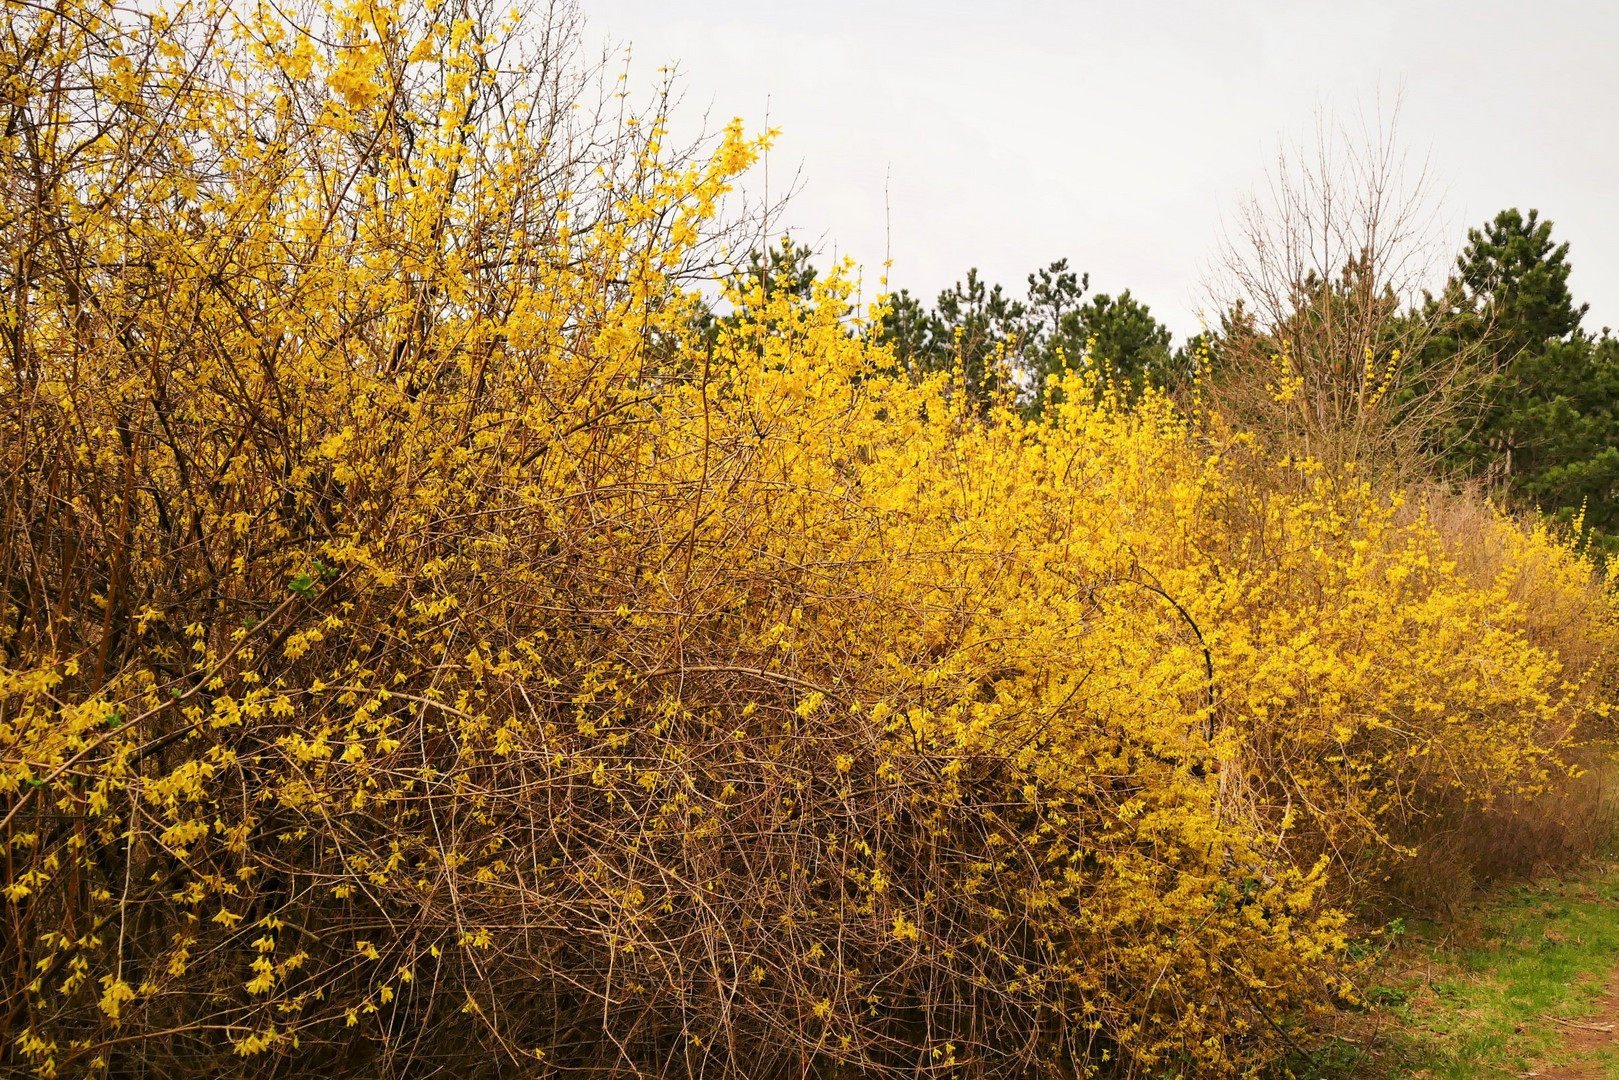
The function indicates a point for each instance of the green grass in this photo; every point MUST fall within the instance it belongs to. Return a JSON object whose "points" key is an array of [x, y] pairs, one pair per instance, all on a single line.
{"points": [[1472, 996]]}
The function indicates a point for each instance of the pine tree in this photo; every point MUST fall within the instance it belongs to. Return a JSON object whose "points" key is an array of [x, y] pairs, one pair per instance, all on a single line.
{"points": [[1547, 430], [992, 337]]}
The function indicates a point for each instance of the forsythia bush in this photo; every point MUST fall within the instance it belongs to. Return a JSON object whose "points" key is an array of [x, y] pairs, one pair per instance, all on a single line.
{"points": [[428, 646]]}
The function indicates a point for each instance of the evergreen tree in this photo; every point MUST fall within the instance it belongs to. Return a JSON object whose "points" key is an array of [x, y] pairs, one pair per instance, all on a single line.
{"points": [[787, 267], [990, 336], [974, 328], [1124, 339], [1056, 337], [1547, 430], [912, 331], [980, 330]]}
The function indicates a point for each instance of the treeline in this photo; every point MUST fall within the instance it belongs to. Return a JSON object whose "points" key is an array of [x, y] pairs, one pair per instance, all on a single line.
{"points": [[1530, 409]]}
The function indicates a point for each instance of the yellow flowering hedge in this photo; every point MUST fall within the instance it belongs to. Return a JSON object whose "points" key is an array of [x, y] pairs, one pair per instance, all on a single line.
{"points": [[428, 646]]}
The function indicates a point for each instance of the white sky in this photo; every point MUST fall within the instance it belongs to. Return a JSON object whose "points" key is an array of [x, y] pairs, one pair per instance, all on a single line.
{"points": [[1118, 133]]}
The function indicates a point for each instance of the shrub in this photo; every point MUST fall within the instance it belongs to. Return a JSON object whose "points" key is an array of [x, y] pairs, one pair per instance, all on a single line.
{"points": [[425, 649]]}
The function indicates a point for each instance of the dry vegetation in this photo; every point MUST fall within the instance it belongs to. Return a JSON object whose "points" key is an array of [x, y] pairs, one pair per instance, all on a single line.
{"points": [[425, 651]]}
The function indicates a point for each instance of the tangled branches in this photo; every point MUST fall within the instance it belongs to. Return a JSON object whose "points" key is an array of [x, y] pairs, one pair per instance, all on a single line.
{"points": [[426, 651]]}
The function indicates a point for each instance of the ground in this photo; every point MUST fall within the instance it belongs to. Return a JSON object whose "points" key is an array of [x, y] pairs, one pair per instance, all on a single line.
{"points": [[1524, 982]]}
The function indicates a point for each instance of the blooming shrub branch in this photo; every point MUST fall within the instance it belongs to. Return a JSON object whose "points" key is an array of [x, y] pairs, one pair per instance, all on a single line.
{"points": [[425, 648]]}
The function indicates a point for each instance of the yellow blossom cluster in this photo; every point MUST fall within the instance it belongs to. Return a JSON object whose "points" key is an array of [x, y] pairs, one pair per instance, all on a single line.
{"points": [[426, 643]]}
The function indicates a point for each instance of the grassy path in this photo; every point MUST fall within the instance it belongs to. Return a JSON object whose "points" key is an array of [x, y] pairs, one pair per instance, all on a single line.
{"points": [[1524, 982]]}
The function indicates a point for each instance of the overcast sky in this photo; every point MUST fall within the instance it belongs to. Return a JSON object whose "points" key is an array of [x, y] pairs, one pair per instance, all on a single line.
{"points": [[1118, 133]]}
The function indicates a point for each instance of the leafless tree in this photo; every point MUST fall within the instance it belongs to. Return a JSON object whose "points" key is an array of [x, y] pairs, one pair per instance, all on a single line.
{"points": [[1324, 344]]}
